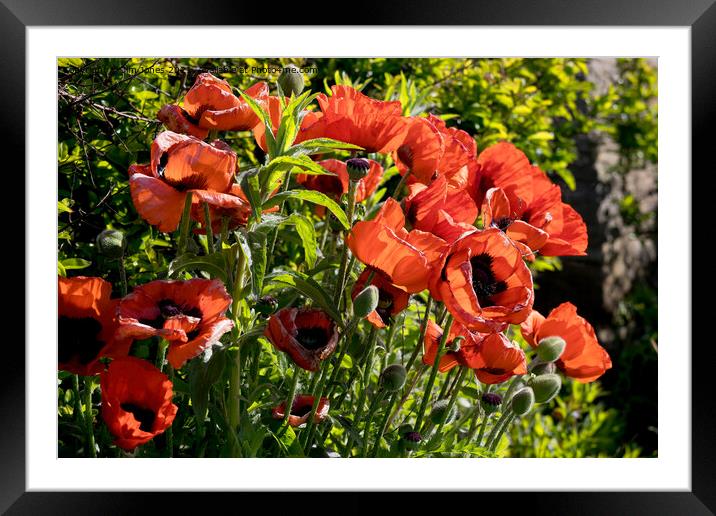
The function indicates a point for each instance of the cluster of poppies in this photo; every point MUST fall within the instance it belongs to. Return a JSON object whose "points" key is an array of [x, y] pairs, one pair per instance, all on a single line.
{"points": [[466, 231], [189, 316]]}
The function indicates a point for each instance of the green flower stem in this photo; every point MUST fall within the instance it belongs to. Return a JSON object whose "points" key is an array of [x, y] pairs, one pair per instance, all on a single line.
{"points": [[418, 375], [472, 413], [372, 336], [384, 423], [89, 418], [364, 390], [449, 380], [345, 341], [433, 374], [496, 427], [291, 396], [483, 426], [185, 225], [505, 425], [421, 336], [161, 354], [122, 276], [399, 187], [369, 419], [77, 411], [453, 398], [224, 235], [274, 237], [318, 393], [209, 229], [234, 402], [338, 293]]}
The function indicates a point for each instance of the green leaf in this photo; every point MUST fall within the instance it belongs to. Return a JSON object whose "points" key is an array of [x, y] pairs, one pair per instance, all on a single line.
{"points": [[309, 288], [306, 164], [319, 146], [75, 263], [249, 181], [310, 196], [541, 136], [61, 271], [265, 118], [63, 206], [258, 246], [307, 233], [202, 375], [214, 264]]}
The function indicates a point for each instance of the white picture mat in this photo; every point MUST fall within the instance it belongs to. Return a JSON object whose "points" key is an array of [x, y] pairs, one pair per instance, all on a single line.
{"points": [[670, 471]]}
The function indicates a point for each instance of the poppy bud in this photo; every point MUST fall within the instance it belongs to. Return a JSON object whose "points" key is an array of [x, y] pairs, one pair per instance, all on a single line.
{"points": [[357, 168], [546, 387], [365, 302], [111, 243], [547, 368], [439, 410], [490, 402], [550, 348], [523, 401], [410, 440], [393, 377], [266, 305], [291, 80]]}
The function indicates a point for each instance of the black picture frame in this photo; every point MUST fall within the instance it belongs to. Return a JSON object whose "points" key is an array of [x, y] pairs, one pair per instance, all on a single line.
{"points": [[700, 15]]}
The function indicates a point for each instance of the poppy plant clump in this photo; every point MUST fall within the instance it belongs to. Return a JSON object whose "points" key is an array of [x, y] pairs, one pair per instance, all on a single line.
{"points": [[332, 270]]}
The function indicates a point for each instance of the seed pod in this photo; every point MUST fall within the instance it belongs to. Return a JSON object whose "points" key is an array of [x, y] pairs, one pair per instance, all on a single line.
{"points": [[546, 387], [409, 439], [541, 369], [291, 80], [111, 243], [366, 301], [266, 305], [550, 349], [357, 168], [490, 402], [439, 410], [393, 377], [523, 401]]}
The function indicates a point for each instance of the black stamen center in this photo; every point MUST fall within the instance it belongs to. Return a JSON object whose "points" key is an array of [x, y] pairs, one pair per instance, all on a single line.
{"points": [[311, 338], [503, 223], [144, 416], [78, 338], [484, 282], [301, 410], [167, 309], [385, 306]]}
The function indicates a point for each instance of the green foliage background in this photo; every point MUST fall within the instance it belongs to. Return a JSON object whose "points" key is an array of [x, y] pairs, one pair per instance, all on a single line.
{"points": [[107, 121]]}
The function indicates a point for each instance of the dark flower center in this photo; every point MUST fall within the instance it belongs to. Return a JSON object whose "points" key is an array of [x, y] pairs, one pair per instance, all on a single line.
{"points": [[78, 338], [494, 370], [405, 155], [311, 338], [385, 306], [492, 399], [503, 223], [301, 410], [144, 416], [484, 282], [192, 182], [193, 120], [168, 309]]}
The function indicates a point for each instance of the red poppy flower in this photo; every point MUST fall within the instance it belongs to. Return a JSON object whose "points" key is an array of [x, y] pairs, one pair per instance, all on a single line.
{"points": [[385, 245], [351, 117], [213, 105], [484, 282], [440, 209], [274, 108], [189, 314], [308, 335], [136, 401], [420, 151], [336, 184], [177, 120], [86, 325], [391, 299], [583, 358], [452, 357], [234, 206], [458, 161], [497, 212], [301, 410], [496, 359], [503, 165], [180, 164]]}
